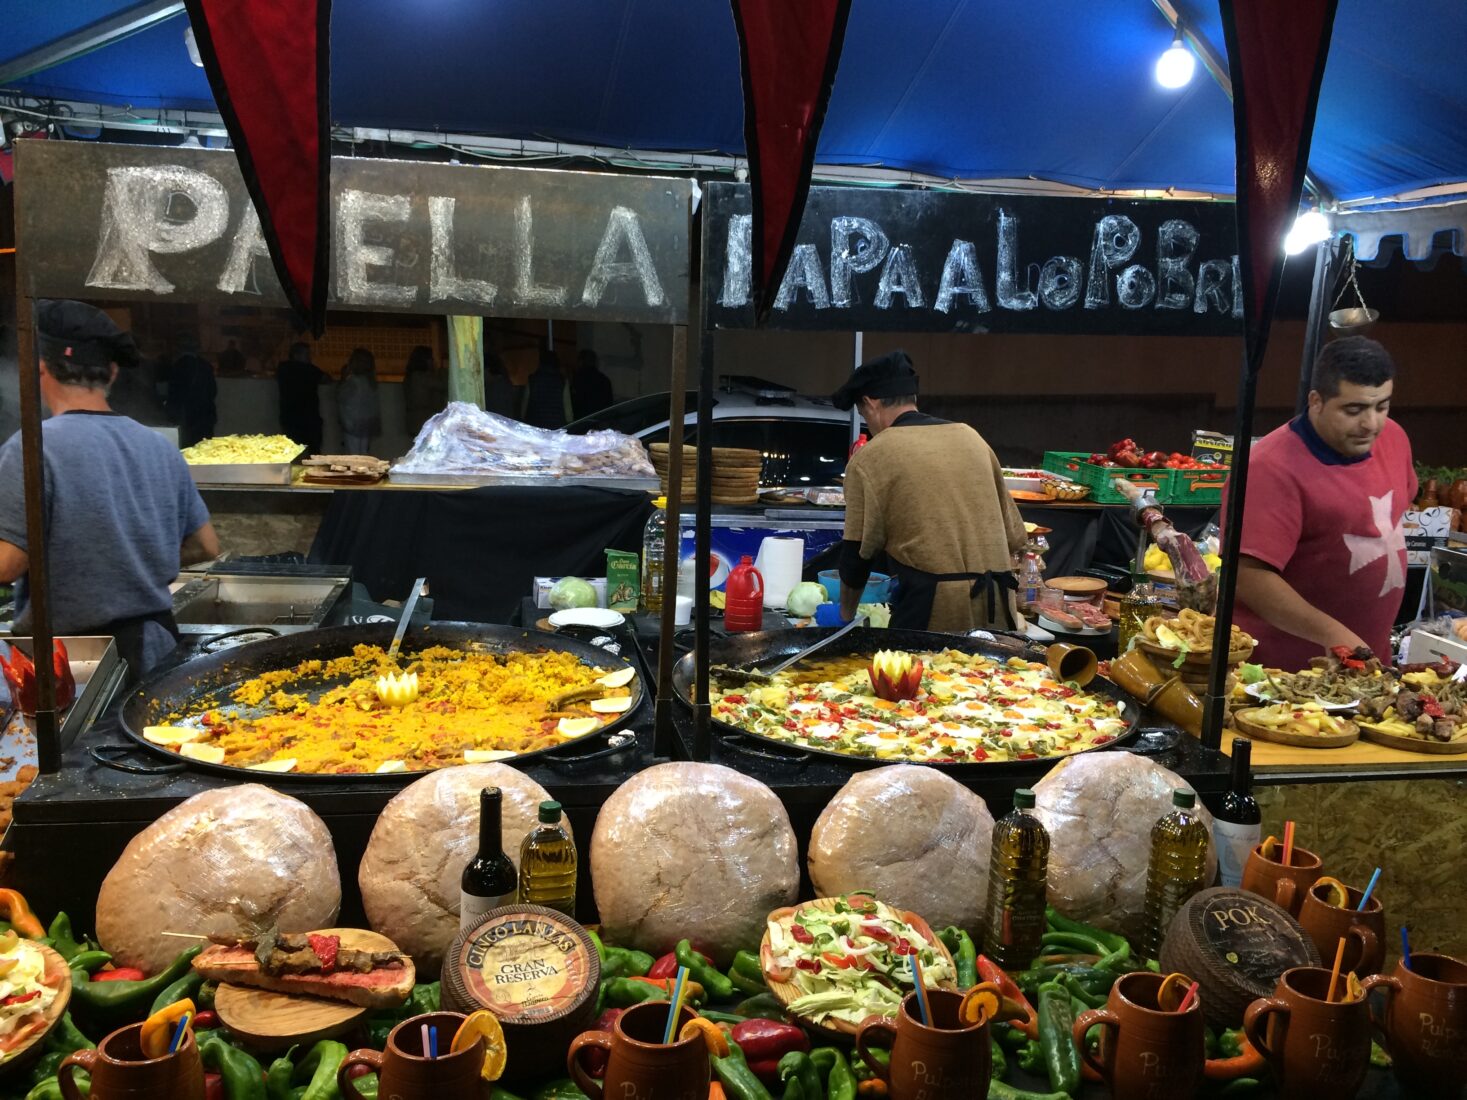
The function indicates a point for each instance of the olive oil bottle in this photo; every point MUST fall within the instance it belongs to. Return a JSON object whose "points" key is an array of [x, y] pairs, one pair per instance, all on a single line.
{"points": [[1178, 867], [548, 863], [1017, 871]]}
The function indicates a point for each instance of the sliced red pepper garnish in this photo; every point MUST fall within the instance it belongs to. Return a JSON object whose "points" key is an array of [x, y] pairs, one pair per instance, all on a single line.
{"points": [[807, 964], [801, 934], [326, 948], [21, 998]]}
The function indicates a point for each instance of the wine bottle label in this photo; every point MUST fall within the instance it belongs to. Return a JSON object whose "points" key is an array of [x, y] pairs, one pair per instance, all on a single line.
{"points": [[472, 907], [1234, 842]]}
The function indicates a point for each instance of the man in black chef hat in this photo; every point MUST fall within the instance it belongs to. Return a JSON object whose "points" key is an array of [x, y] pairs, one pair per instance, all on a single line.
{"points": [[929, 495], [122, 512]]}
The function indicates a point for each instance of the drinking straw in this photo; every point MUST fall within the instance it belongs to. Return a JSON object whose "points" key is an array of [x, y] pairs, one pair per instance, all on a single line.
{"points": [[1370, 889], [1187, 1000], [433, 1041], [427, 1047], [1288, 843], [179, 1033], [672, 1009], [921, 990], [1334, 977], [1405, 948]]}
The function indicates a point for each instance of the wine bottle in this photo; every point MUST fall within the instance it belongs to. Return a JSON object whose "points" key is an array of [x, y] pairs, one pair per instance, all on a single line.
{"points": [[1238, 823], [489, 880]]}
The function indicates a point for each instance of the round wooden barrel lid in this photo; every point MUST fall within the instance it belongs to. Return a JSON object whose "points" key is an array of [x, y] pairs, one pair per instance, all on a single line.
{"points": [[1235, 945], [525, 963]]}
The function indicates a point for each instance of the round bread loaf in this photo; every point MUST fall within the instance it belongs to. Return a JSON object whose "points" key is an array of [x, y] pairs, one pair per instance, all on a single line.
{"points": [[1099, 808], [409, 876], [694, 851], [916, 838], [227, 862]]}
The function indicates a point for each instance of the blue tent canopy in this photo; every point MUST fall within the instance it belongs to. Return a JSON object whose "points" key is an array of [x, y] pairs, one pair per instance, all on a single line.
{"points": [[961, 90]]}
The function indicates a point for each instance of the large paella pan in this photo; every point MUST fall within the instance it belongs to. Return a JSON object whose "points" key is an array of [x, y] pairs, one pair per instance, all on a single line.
{"points": [[307, 706], [982, 702]]}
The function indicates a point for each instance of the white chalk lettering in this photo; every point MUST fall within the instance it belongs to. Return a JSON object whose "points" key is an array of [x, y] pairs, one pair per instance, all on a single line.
{"points": [[526, 293], [737, 262], [857, 245], [1009, 294], [623, 230], [803, 273], [1176, 240], [1237, 287], [1135, 286], [961, 275], [1212, 279], [1060, 281], [1115, 242], [164, 209], [355, 257], [444, 281], [899, 276], [238, 276]]}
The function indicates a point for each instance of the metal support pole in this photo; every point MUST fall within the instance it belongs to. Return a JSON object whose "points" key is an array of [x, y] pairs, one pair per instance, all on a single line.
{"points": [[550, 335], [1314, 327], [663, 737], [703, 534], [856, 362]]}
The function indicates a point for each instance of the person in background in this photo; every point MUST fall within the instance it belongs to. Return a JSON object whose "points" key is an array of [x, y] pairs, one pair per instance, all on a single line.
{"points": [[501, 395], [547, 397], [232, 361], [590, 389], [134, 392], [930, 495], [1323, 548], [192, 392], [299, 383], [358, 405], [424, 388], [123, 514]]}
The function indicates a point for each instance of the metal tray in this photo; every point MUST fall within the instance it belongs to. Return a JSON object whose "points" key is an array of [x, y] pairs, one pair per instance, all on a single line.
{"points": [[220, 601], [98, 670], [244, 473], [527, 481]]}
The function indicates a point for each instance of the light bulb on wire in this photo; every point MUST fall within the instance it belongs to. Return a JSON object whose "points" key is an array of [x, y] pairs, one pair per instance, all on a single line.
{"points": [[1174, 68]]}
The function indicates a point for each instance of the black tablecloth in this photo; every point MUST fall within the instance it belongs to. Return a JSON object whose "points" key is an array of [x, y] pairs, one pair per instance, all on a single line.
{"points": [[479, 548]]}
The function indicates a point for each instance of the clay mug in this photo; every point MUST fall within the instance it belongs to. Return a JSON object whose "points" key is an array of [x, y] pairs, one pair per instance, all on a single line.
{"points": [[1283, 884], [404, 1070], [1069, 662], [1362, 930], [949, 1060], [639, 1066], [1317, 1048], [1145, 1053], [1425, 1025], [120, 1071]]}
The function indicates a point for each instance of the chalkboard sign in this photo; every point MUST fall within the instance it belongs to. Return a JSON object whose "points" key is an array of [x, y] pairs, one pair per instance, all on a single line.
{"points": [[932, 261], [169, 224]]}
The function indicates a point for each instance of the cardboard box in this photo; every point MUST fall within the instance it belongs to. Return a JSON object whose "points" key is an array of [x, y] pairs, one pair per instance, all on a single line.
{"points": [[1212, 447], [1423, 648], [623, 580], [1426, 530]]}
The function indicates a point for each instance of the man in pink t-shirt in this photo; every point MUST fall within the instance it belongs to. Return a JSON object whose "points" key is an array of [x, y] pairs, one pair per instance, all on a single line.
{"points": [[1323, 551]]}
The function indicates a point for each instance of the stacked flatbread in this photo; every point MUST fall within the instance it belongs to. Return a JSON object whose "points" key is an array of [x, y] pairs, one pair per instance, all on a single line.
{"points": [[735, 473]]}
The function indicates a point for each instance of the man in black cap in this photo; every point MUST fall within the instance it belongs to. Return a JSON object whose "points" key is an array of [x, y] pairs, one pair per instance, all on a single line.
{"points": [[929, 495], [122, 512]]}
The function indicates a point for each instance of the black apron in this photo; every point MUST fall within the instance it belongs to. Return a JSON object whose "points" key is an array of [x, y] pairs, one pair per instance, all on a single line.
{"points": [[129, 634], [917, 590]]}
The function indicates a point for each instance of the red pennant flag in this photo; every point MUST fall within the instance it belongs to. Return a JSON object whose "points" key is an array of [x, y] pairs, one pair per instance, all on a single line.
{"points": [[268, 62], [789, 53], [1276, 55]]}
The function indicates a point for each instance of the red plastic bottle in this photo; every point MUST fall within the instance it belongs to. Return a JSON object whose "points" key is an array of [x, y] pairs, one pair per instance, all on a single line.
{"points": [[743, 608]]}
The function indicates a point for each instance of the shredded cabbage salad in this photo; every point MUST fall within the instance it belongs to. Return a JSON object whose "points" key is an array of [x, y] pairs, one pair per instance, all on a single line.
{"points": [[852, 962]]}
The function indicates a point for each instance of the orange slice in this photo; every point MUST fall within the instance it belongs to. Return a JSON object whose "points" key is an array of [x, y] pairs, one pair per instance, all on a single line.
{"points": [[1173, 988], [1271, 848], [1332, 891], [157, 1033], [980, 1003], [1354, 990], [483, 1025], [713, 1038]]}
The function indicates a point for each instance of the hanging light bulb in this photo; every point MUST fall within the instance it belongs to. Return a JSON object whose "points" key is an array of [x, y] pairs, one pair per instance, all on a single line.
{"points": [[1174, 68], [1310, 228], [191, 44]]}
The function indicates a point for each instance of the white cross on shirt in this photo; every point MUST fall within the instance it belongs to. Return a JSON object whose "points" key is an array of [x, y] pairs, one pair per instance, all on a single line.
{"points": [[1390, 540]]}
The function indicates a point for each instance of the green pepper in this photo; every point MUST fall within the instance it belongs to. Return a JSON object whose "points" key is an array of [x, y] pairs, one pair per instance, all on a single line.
{"points": [[1056, 1027], [502, 1094], [185, 987], [1031, 1057], [864, 1072], [562, 1088], [1079, 993], [746, 974], [1070, 941], [367, 1086], [320, 1066], [621, 993], [243, 1079], [1009, 1037], [796, 1066], [840, 1082], [794, 1090], [1240, 1086], [720, 1017], [998, 1064], [67, 1037], [1379, 1056], [738, 1080], [277, 1078], [426, 997], [90, 961], [620, 962], [45, 1066], [998, 1090], [117, 1003], [965, 955], [50, 1089], [717, 985], [1108, 941], [204, 999], [63, 941], [1230, 1042], [761, 1006]]}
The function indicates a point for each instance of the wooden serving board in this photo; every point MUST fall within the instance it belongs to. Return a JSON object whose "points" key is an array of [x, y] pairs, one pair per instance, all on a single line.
{"points": [[1243, 724], [1405, 743], [58, 976], [785, 992], [1197, 657], [271, 1021]]}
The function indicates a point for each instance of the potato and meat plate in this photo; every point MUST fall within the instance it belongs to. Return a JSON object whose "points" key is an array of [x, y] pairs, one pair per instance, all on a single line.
{"points": [[967, 708], [442, 706], [1301, 719], [1427, 707]]}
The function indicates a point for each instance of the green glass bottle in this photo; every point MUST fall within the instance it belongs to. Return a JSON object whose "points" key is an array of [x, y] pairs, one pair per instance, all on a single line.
{"points": [[1178, 867], [1018, 867], [548, 863]]}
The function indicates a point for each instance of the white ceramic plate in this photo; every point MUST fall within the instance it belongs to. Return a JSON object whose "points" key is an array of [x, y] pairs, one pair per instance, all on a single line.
{"points": [[1089, 631], [598, 617], [1259, 691]]}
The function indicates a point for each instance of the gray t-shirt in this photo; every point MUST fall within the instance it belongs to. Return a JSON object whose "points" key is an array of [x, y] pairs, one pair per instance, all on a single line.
{"points": [[119, 503]]}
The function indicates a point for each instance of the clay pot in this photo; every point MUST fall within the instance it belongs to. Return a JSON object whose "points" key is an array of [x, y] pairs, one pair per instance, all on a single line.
{"points": [[950, 1060], [1317, 1048], [1424, 1022], [404, 1070], [1145, 1053]]}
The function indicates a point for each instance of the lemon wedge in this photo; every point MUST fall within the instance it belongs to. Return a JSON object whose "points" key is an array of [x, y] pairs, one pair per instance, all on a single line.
{"points": [[486, 756], [620, 678], [615, 704], [171, 735], [274, 766], [575, 727], [390, 767], [204, 754]]}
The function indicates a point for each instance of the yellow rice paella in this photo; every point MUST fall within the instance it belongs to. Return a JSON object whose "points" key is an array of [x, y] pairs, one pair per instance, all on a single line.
{"points": [[470, 707]]}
